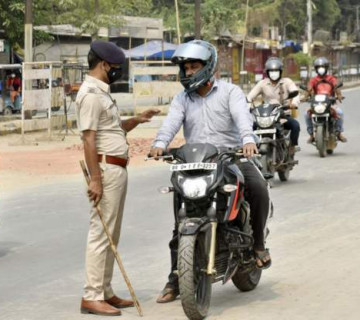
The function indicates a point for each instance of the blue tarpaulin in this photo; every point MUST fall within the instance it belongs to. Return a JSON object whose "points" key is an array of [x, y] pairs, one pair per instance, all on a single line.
{"points": [[154, 49]]}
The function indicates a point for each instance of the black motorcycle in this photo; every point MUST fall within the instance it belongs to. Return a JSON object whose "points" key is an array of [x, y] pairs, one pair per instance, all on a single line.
{"points": [[324, 122], [215, 235], [274, 140]]}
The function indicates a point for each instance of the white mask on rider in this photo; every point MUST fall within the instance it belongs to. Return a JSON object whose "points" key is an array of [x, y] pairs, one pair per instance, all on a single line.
{"points": [[321, 71], [274, 75]]}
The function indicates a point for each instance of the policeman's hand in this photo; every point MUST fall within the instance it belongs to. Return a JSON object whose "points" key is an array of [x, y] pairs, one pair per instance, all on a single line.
{"points": [[147, 115], [156, 152], [95, 190], [249, 150]]}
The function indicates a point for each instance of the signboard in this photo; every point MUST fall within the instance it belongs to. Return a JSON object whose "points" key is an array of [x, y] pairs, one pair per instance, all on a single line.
{"points": [[2, 45]]}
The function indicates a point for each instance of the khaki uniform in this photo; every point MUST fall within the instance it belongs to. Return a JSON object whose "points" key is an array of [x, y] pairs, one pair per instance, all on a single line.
{"points": [[97, 111], [275, 94]]}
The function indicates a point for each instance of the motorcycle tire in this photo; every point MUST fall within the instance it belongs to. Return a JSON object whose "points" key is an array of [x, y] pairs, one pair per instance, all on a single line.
{"points": [[320, 141], [247, 280], [266, 171], [284, 175], [194, 282]]}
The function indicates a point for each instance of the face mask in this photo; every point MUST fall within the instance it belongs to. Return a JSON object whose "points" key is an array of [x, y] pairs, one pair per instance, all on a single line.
{"points": [[321, 71], [114, 74], [274, 75]]}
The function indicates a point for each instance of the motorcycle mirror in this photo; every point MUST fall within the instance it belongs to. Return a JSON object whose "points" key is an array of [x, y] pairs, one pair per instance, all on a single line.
{"points": [[229, 187], [293, 94], [303, 87], [339, 85], [165, 190]]}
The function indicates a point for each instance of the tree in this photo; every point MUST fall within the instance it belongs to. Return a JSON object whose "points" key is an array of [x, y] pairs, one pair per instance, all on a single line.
{"points": [[88, 15], [216, 16]]}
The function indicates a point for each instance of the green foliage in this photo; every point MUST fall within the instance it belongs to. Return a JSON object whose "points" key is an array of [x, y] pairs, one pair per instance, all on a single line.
{"points": [[216, 16], [302, 59]]}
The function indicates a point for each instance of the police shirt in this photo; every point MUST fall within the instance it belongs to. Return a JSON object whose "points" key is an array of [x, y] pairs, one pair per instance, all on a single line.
{"points": [[97, 111], [274, 94]]}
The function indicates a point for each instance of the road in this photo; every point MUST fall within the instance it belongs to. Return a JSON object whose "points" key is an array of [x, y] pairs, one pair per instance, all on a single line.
{"points": [[314, 244]]}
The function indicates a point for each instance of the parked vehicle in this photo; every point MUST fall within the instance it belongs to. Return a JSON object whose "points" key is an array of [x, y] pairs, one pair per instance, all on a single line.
{"points": [[215, 235], [324, 122], [274, 140]]}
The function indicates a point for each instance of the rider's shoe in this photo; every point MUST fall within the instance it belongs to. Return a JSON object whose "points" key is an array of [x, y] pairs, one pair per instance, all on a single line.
{"points": [[341, 137], [311, 139]]}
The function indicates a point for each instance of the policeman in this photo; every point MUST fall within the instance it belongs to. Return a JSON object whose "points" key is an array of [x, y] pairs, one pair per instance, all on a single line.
{"points": [[106, 153], [275, 90]]}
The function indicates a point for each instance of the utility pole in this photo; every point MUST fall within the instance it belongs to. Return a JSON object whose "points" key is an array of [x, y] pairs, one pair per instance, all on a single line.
{"points": [[177, 22], [309, 26], [357, 20], [28, 31], [245, 34], [197, 19]]}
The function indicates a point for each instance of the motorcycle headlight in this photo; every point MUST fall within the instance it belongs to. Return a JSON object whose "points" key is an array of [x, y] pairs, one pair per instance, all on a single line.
{"points": [[320, 107], [265, 122], [195, 187]]}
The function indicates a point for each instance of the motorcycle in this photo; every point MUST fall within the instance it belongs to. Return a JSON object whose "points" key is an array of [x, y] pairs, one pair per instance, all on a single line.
{"points": [[324, 122], [215, 235], [274, 140]]}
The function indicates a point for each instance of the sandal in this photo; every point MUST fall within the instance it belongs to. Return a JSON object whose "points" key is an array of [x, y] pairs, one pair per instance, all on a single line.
{"points": [[168, 294], [262, 255]]}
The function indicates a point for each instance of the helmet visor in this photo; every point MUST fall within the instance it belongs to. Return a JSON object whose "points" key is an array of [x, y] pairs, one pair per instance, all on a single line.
{"points": [[190, 51]]}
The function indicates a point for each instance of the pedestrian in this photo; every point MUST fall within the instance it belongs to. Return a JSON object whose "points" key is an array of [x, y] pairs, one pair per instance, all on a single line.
{"points": [[216, 112], [274, 89], [103, 134]]}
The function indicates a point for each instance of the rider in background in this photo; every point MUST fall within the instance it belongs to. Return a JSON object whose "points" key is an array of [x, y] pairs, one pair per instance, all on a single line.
{"points": [[274, 90], [14, 85], [324, 83]]}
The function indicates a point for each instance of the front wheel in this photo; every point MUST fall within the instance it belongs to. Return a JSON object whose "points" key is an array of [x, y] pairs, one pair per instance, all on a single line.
{"points": [[320, 141], [284, 174], [194, 282], [247, 280]]}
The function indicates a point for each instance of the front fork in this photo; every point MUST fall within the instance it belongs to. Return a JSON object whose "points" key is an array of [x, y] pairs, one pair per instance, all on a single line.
{"points": [[324, 124], [212, 252]]}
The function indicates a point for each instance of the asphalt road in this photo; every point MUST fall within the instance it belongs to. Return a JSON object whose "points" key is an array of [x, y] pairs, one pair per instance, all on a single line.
{"points": [[314, 243]]}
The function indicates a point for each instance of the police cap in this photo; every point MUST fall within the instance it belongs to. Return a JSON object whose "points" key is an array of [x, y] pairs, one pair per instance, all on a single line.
{"points": [[108, 52]]}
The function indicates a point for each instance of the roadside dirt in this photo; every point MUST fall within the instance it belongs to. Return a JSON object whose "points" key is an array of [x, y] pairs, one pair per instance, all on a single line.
{"points": [[40, 161]]}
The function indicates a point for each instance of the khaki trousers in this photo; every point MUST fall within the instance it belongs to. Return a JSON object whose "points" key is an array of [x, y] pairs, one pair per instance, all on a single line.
{"points": [[99, 256]]}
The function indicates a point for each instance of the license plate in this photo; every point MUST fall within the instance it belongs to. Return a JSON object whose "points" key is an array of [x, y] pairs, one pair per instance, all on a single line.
{"points": [[193, 166], [265, 131]]}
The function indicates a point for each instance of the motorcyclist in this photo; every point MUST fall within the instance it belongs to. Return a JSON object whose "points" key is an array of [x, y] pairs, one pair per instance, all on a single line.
{"points": [[323, 83], [215, 112], [274, 90]]}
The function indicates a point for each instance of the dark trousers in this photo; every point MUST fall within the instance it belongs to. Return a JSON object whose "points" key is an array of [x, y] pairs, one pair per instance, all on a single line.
{"points": [[257, 194], [294, 127]]}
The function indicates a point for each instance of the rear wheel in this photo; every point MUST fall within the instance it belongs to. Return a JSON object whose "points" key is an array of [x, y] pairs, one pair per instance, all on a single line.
{"points": [[320, 141], [194, 283], [247, 280]]}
